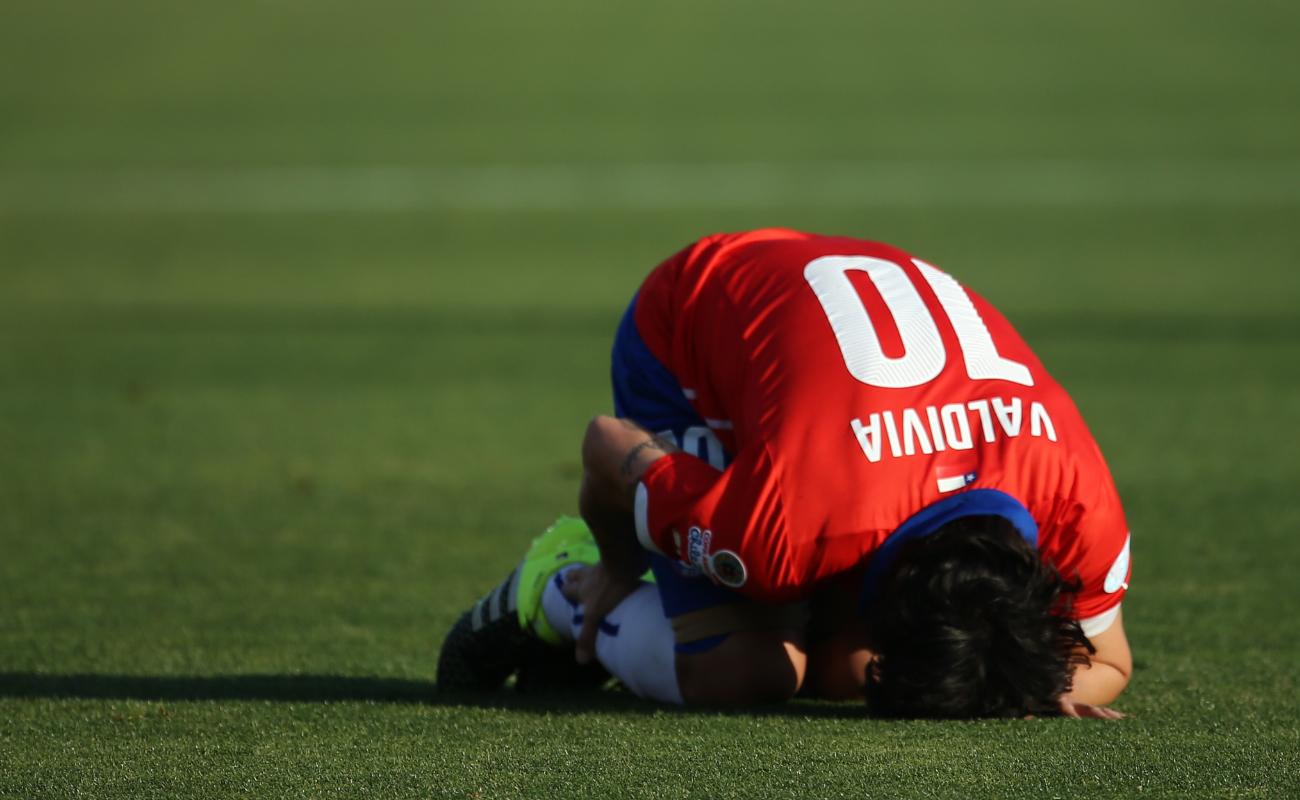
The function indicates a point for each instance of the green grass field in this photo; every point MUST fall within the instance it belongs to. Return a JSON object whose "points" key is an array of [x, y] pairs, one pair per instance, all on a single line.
{"points": [[303, 307]]}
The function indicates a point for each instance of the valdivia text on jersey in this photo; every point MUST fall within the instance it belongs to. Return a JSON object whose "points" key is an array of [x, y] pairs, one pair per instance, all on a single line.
{"points": [[954, 426]]}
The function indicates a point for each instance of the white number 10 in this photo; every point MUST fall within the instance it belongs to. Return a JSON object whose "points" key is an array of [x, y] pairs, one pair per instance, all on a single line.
{"points": [[923, 352]]}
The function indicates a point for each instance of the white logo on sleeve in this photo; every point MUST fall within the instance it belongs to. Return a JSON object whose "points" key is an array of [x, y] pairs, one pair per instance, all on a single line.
{"points": [[1118, 570]]}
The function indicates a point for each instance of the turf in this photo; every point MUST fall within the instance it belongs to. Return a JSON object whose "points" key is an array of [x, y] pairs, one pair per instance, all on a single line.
{"points": [[303, 307]]}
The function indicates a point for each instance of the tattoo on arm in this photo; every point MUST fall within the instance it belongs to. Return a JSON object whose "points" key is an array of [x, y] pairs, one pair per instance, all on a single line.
{"points": [[653, 443]]}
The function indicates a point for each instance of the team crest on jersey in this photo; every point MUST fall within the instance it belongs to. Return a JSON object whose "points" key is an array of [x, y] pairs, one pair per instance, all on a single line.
{"points": [[727, 569], [723, 567]]}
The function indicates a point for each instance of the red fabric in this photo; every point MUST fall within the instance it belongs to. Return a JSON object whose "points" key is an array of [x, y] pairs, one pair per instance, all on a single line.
{"points": [[736, 321]]}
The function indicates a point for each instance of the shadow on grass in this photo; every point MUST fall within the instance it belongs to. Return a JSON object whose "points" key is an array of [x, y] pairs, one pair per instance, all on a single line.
{"points": [[338, 688]]}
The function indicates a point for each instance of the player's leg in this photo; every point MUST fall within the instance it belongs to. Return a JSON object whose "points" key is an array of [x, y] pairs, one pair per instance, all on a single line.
{"points": [[634, 641], [528, 624], [728, 653], [686, 639], [726, 649], [505, 630], [746, 668]]}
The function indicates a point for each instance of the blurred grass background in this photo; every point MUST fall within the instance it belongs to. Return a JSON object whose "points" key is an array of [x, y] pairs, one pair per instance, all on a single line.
{"points": [[303, 307]]}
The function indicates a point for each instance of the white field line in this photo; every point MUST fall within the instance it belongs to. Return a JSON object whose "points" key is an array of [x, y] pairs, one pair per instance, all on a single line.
{"points": [[656, 187]]}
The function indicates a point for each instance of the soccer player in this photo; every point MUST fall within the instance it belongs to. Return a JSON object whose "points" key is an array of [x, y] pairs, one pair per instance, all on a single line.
{"points": [[806, 418]]}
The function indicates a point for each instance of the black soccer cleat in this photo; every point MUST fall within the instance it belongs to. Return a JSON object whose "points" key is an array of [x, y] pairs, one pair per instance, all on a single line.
{"points": [[486, 645], [548, 668]]}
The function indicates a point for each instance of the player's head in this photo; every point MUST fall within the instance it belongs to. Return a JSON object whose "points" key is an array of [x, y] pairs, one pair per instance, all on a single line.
{"points": [[971, 623]]}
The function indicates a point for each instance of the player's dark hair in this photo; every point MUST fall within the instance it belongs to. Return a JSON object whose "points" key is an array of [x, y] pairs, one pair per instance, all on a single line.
{"points": [[970, 622]]}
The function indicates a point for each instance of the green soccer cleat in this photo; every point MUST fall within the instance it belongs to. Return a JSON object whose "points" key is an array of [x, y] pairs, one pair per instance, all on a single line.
{"points": [[498, 636], [566, 542]]}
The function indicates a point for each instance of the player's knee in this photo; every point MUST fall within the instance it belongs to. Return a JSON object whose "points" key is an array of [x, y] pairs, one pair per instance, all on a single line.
{"points": [[597, 496], [592, 436], [595, 441], [752, 667]]}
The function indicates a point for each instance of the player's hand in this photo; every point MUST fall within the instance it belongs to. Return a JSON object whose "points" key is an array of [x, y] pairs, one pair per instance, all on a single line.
{"points": [[1074, 710], [599, 593]]}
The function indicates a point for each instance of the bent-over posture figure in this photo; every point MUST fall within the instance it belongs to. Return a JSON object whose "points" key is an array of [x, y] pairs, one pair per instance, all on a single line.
{"points": [[840, 465]]}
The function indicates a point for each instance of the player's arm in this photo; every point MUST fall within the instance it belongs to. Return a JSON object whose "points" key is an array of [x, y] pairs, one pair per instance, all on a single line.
{"points": [[1104, 568], [1099, 681], [615, 454]]}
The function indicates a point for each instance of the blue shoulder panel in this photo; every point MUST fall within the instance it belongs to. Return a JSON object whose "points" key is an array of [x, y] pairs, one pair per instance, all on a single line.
{"points": [[976, 502]]}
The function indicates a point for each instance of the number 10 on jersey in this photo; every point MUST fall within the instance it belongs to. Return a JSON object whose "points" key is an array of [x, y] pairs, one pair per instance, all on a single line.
{"points": [[924, 356]]}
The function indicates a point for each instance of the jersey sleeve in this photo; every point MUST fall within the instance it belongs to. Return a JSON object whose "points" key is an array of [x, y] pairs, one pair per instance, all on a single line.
{"points": [[1101, 557], [729, 525]]}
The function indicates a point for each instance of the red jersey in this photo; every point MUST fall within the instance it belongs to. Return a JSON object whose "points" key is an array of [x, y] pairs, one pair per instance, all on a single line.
{"points": [[856, 385]]}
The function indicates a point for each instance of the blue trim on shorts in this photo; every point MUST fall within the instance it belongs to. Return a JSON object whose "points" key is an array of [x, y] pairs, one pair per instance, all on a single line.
{"points": [[700, 645], [976, 502], [606, 627], [688, 590]]}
